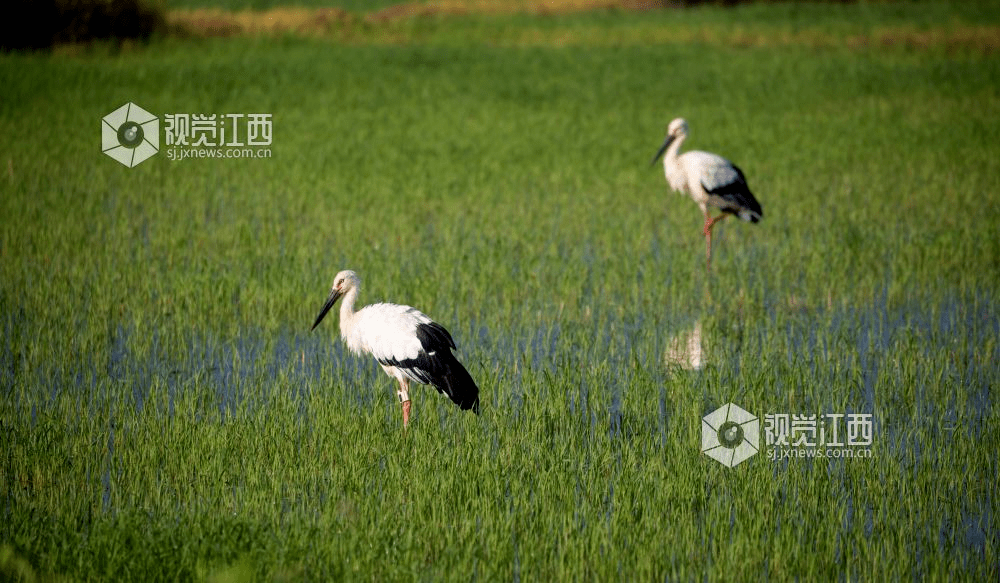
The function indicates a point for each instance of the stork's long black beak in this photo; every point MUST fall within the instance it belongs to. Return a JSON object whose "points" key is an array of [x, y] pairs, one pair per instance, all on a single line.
{"points": [[334, 296], [663, 148]]}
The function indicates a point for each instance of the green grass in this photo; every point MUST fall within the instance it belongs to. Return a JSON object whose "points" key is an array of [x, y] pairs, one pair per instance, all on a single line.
{"points": [[166, 413]]}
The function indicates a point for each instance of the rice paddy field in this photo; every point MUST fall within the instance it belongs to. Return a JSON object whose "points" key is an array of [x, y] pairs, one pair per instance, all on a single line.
{"points": [[167, 414]]}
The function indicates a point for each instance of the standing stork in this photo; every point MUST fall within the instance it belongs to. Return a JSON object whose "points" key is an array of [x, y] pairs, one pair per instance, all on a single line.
{"points": [[406, 343], [710, 179]]}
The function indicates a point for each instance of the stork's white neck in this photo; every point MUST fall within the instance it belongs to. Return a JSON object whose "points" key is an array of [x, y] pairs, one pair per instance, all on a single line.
{"points": [[347, 313], [672, 166]]}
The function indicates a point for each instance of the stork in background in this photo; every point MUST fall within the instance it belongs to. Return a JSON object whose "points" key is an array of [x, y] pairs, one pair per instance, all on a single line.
{"points": [[406, 343], [709, 179]]}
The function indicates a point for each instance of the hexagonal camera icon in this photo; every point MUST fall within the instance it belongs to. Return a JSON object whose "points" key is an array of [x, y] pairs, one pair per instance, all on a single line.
{"points": [[130, 134], [730, 435]]}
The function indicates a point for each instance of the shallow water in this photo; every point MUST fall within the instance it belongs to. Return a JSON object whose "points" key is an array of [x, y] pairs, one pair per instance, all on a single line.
{"points": [[847, 351]]}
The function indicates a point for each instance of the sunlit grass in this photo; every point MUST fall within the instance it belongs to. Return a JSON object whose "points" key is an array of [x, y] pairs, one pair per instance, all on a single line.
{"points": [[936, 26]]}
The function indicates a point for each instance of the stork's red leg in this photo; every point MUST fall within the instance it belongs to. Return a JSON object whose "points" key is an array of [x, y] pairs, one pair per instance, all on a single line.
{"points": [[708, 240], [404, 400], [709, 223], [708, 249]]}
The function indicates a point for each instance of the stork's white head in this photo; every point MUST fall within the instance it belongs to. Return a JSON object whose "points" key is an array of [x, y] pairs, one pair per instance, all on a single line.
{"points": [[677, 129], [344, 282]]}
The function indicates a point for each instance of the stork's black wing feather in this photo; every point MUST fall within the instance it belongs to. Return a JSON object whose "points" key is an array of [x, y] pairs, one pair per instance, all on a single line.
{"points": [[436, 365], [728, 183]]}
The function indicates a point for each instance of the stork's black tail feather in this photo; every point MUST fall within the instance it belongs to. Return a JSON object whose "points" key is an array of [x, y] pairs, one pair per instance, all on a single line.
{"points": [[457, 383]]}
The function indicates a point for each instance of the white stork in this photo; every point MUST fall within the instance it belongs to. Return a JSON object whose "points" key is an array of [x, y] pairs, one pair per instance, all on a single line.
{"points": [[710, 179], [409, 345]]}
